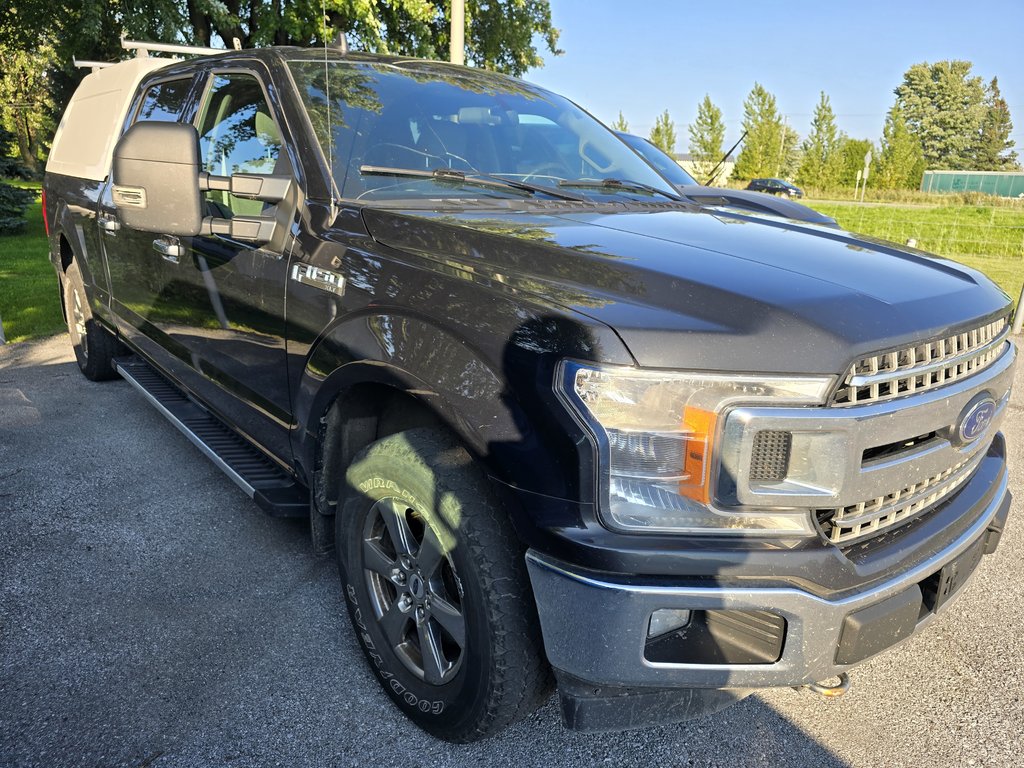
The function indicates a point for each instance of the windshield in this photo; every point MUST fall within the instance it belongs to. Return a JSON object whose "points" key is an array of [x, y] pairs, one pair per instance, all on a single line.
{"points": [[665, 165], [416, 117]]}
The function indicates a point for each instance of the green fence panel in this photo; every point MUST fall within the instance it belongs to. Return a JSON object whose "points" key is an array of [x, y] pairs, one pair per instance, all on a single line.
{"points": [[987, 182]]}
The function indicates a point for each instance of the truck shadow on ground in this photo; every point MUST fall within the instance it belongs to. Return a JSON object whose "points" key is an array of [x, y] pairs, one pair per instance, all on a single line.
{"points": [[153, 615]]}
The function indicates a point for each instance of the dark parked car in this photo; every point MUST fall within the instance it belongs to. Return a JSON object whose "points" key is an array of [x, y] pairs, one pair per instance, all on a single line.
{"points": [[558, 423], [775, 187], [735, 199]]}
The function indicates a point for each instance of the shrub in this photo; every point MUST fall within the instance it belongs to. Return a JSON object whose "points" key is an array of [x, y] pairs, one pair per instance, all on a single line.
{"points": [[13, 202]]}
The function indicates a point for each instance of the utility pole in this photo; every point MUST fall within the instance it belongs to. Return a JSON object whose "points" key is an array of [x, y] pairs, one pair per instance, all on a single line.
{"points": [[867, 168], [457, 47]]}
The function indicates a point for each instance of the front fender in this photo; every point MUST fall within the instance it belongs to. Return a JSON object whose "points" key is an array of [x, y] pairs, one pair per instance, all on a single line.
{"points": [[498, 400]]}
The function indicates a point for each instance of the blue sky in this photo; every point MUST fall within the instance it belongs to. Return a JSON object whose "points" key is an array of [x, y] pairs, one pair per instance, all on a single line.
{"points": [[644, 56]]}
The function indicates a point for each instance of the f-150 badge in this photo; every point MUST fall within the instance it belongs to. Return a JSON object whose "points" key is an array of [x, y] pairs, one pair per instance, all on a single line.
{"points": [[323, 279]]}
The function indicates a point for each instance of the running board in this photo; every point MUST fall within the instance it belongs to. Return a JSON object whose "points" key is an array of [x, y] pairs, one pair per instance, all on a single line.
{"points": [[263, 481]]}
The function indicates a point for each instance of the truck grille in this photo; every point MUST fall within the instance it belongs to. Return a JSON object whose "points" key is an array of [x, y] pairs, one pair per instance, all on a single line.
{"points": [[923, 366], [844, 525]]}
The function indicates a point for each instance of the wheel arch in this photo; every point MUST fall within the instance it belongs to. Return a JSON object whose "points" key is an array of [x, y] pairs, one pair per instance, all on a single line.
{"points": [[373, 375]]}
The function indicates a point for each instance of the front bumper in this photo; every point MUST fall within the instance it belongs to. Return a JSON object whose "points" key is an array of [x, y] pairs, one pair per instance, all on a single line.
{"points": [[596, 628]]}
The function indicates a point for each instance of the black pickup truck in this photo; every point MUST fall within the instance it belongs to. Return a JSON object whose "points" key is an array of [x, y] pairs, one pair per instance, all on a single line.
{"points": [[560, 424]]}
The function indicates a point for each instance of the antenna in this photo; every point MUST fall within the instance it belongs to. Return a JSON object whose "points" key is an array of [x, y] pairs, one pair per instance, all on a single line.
{"points": [[335, 192], [724, 158]]}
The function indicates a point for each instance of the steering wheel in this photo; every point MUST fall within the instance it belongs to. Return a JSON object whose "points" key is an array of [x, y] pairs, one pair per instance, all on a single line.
{"points": [[545, 170], [418, 154]]}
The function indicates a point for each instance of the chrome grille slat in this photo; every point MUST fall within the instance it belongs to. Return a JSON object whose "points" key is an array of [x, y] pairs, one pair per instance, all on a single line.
{"points": [[923, 366], [866, 518]]}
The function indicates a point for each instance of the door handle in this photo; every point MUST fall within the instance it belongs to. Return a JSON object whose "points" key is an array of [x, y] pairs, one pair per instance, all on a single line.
{"points": [[170, 251], [110, 225]]}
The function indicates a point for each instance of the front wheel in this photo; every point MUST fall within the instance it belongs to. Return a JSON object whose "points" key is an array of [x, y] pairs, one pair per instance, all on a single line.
{"points": [[437, 590]]}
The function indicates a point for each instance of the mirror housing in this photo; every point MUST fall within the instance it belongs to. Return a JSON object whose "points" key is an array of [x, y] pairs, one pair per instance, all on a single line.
{"points": [[156, 179], [158, 186]]}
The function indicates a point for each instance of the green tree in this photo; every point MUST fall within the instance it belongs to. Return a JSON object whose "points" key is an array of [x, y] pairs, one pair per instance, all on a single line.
{"points": [[943, 105], [707, 136], [852, 160], [501, 35], [663, 134], [23, 90], [765, 148], [822, 161], [900, 160], [621, 124], [994, 151]]}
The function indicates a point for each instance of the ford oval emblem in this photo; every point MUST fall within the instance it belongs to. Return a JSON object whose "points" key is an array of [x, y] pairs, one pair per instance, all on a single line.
{"points": [[975, 419]]}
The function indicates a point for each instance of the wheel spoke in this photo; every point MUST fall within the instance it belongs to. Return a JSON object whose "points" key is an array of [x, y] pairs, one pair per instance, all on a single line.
{"points": [[430, 554], [434, 663], [375, 560], [393, 624], [449, 617], [393, 513]]}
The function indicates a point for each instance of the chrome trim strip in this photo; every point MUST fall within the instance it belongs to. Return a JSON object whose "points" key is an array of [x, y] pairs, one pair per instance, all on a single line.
{"points": [[864, 380], [192, 436]]}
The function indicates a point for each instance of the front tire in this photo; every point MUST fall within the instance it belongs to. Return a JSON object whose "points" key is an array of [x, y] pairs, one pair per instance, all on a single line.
{"points": [[95, 347], [436, 588]]}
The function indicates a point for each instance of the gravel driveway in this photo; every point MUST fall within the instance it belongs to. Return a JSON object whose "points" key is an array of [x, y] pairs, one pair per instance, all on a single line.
{"points": [[151, 615]]}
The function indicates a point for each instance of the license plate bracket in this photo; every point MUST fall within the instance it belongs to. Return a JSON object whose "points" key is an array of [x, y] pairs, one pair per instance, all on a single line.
{"points": [[955, 574]]}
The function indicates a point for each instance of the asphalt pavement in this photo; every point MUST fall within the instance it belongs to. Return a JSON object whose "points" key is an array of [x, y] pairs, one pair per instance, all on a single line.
{"points": [[151, 615]]}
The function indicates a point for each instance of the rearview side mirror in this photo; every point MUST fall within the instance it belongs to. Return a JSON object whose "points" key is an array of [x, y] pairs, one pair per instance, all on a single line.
{"points": [[156, 179], [158, 186]]}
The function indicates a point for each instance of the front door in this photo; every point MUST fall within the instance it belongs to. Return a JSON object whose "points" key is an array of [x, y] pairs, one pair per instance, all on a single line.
{"points": [[229, 327], [142, 278]]}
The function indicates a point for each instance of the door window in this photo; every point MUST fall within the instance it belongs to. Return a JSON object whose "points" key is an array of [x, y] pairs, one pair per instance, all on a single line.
{"points": [[237, 134], [163, 101]]}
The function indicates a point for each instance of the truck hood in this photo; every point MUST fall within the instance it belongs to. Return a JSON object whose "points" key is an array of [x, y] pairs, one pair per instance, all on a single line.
{"points": [[687, 289]]}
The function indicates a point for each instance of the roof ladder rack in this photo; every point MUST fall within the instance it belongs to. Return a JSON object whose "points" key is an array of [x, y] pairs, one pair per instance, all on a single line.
{"points": [[143, 48], [93, 65]]}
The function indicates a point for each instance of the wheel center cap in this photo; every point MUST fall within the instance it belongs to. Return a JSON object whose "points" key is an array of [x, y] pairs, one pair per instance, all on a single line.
{"points": [[417, 587]]}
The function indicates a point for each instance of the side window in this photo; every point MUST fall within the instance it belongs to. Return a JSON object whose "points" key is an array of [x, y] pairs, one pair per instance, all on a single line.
{"points": [[164, 101], [237, 134]]}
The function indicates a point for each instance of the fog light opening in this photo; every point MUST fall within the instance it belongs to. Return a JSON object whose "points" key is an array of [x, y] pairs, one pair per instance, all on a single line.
{"points": [[665, 620]]}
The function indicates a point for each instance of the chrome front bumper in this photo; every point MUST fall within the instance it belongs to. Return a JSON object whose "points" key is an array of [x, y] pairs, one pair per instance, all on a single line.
{"points": [[596, 629]]}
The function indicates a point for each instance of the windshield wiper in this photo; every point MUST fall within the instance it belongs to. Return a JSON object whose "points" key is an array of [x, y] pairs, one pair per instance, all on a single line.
{"points": [[461, 177], [619, 185]]}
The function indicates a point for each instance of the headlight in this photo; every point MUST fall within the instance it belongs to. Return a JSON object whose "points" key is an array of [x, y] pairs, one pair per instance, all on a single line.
{"points": [[655, 433]]}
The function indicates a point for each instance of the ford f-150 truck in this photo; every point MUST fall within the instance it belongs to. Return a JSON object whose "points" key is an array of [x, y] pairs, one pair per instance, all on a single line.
{"points": [[560, 424]]}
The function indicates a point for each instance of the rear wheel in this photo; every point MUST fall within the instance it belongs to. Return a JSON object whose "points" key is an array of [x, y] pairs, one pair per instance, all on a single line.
{"points": [[437, 588], [95, 347]]}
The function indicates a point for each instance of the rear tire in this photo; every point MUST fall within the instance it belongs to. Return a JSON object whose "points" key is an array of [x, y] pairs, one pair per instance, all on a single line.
{"points": [[437, 590], [95, 347]]}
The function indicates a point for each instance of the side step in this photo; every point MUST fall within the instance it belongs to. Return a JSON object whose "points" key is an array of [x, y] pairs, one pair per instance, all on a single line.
{"points": [[266, 483]]}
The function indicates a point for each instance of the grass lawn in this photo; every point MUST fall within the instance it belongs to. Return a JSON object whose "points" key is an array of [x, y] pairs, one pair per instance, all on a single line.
{"points": [[29, 301], [986, 238]]}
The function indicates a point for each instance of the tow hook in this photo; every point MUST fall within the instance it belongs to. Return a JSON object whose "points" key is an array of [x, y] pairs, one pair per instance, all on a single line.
{"points": [[830, 691]]}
